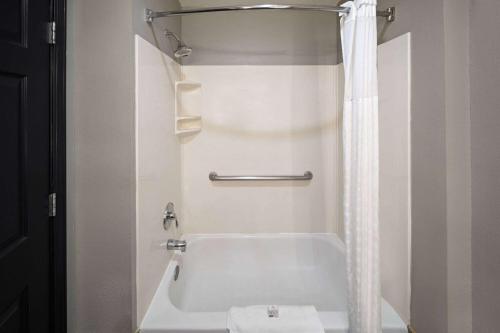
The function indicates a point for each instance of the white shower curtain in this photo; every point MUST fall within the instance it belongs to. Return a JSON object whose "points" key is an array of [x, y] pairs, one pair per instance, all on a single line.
{"points": [[361, 173]]}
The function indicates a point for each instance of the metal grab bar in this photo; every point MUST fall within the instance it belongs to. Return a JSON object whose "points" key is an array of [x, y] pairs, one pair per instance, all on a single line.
{"points": [[213, 176]]}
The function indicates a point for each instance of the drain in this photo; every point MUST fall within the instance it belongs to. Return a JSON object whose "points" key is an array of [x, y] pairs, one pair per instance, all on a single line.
{"points": [[177, 271]]}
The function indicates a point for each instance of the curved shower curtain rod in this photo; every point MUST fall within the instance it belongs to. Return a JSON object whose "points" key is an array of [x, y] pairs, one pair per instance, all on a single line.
{"points": [[151, 15]]}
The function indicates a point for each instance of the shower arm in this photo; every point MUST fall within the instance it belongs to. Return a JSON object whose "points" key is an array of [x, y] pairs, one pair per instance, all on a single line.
{"points": [[151, 15], [171, 34]]}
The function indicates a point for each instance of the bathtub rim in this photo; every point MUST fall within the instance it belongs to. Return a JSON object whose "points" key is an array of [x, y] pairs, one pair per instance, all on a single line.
{"points": [[162, 316], [332, 238]]}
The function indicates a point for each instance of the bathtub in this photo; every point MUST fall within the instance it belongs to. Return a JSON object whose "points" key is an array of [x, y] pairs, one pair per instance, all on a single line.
{"points": [[220, 271]]}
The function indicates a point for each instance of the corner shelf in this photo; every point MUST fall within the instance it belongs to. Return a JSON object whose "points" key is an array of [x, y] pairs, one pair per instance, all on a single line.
{"points": [[187, 107], [188, 131], [189, 118]]}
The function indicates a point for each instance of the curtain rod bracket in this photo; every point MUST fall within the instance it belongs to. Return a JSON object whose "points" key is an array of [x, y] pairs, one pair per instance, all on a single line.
{"points": [[148, 15], [389, 14]]}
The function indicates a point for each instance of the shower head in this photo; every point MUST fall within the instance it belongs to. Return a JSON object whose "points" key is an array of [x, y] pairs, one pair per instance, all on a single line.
{"points": [[182, 49]]}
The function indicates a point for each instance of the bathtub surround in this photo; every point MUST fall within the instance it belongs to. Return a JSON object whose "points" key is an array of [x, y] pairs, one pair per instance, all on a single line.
{"points": [[361, 166], [281, 120], [158, 165], [394, 79], [263, 120]]}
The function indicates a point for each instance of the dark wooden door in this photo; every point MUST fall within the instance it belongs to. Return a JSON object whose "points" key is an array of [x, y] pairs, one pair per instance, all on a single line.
{"points": [[25, 261]]}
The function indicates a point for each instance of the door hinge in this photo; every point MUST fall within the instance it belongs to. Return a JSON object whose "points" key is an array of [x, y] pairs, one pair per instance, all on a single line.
{"points": [[51, 32], [52, 204]]}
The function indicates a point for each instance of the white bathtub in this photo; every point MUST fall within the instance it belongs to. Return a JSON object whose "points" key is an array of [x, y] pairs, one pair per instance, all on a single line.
{"points": [[220, 271]]}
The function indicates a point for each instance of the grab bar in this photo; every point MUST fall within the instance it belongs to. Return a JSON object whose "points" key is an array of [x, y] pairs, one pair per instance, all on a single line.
{"points": [[213, 176]]}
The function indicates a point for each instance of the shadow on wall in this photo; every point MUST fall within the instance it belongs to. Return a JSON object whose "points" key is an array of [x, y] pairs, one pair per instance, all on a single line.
{"points": [[286, 133], [261, 38]]}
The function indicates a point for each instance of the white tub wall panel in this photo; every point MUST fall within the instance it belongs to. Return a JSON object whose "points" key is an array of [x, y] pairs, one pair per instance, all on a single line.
{"points": [[262, 120], [331, 150], [338, 71], [395, 172], [157, 165]]}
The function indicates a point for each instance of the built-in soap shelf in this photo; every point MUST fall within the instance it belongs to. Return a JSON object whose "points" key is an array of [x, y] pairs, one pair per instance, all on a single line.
{"points": [[187, 107]]}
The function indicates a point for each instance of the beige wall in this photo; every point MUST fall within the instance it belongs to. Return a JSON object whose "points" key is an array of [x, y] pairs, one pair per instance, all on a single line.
{"points": [[101, 163], [441, 204], [456, 29], [485, 138], [424, 19], [154, 33], [100, 166], [260, 38]]}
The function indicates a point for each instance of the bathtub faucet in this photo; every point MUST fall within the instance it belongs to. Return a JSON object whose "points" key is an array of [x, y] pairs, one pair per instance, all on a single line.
{"points": [[174, 244]]}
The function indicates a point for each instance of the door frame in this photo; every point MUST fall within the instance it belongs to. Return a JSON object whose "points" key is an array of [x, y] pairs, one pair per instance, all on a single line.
{"points": [[58, 302]]}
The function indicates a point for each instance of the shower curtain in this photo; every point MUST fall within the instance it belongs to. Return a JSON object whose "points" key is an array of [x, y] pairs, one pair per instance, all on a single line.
{"points": [[361, 173]]}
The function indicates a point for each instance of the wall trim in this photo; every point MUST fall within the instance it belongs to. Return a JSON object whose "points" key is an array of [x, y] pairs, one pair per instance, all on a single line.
{"points": [[58, 311]]}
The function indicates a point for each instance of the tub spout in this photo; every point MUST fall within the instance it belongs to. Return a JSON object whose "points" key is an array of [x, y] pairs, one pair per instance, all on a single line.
{"points": [[174, 244]]}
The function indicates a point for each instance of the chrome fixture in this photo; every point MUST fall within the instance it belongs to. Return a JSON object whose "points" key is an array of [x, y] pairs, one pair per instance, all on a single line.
{"points": [[213, 176], [176, 245], [176, 273], [169, 216], [389, 14], [150, 15], [182, 49]]}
